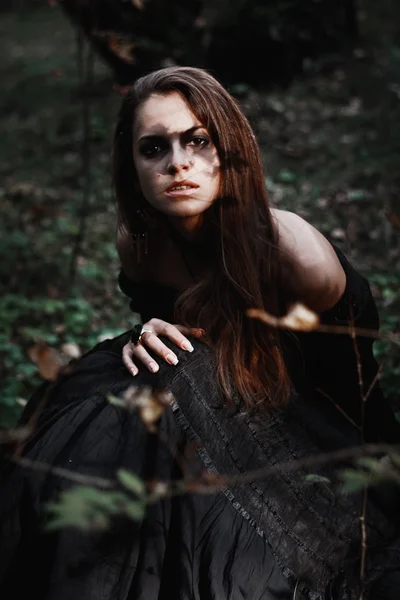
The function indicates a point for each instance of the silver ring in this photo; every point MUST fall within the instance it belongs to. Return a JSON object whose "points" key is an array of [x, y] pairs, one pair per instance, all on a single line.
{"points": [[144, 331], [137, 332]]}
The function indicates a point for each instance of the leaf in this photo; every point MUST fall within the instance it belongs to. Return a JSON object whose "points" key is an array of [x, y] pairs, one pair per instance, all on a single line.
{"points": [[286, 176], [47, 359], [71, 350], [315, 478], [239, 88], [150, 404], [299, 318], [131, 482], [123, 50], [135, 510], [354, 481], [372, 464], [118, 44], [354, 195], [82, 507], [150, 411], [116, 401], [394, 220], [395, 460]]}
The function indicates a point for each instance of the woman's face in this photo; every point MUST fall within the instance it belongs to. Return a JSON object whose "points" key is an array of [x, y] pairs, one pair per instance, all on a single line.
{"points": [[176, 162]]}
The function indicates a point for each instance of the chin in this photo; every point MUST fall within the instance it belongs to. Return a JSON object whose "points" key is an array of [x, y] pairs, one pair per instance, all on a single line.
{"points": [[187, 210]]}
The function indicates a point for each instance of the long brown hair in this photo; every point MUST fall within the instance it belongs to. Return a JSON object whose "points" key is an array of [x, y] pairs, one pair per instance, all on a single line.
{"points": [[246, 270]]}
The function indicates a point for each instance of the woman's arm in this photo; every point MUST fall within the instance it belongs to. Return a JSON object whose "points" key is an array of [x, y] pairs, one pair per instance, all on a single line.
{"points": [[316, 276]]}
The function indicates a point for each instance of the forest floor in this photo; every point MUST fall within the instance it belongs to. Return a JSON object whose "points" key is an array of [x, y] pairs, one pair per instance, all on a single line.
{"points": [[331, 149]]}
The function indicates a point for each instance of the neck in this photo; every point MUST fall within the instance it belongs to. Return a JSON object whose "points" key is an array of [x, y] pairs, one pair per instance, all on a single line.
{"points": [[190, 228]]}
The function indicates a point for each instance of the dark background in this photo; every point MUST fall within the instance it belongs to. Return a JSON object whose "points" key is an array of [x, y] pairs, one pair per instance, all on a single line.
{"points": [[320, 82]]}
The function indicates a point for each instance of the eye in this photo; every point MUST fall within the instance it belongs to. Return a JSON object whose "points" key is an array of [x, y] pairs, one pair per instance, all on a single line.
{"points": [[151, 149], [199, 142]]}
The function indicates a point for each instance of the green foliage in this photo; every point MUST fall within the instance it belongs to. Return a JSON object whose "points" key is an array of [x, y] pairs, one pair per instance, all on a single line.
{"points": [[131, 482], [24, 321], [87, 508], [388, 355], [315, 478], [371, 472]]}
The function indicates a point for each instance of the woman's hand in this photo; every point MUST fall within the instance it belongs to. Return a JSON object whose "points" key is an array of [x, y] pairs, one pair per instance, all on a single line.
{"points": [[132, 354]]}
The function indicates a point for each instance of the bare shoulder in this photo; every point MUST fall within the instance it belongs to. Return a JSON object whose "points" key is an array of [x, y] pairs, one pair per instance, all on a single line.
{"points": [[319, 279]]}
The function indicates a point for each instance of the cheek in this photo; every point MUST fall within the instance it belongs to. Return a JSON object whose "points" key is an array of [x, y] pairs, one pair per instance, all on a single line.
{"points": [[145, 176]]}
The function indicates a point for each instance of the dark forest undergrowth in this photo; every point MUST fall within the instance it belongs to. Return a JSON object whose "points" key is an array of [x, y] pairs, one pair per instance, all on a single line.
{"points": [[331, 147]]}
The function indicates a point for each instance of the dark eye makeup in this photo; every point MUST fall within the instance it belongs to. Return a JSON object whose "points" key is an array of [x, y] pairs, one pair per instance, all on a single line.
{"points": [[151, 146]]}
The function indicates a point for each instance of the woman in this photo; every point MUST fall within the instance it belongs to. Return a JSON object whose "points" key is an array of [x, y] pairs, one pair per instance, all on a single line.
{"points": [[199, 245]]}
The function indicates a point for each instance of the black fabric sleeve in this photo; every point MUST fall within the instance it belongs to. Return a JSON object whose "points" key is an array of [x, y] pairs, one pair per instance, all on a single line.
{"points": [[345, 370]]}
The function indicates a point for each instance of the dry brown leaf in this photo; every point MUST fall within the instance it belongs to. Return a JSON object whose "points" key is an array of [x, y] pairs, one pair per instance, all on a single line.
{"points": [[299, 318], [150, 412], [122, 49], [47, 359], [394, 220], [120, 45], [149, 403]]}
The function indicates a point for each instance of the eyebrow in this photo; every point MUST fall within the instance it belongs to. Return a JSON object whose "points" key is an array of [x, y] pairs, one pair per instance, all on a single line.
{"points": [[157, 136]]}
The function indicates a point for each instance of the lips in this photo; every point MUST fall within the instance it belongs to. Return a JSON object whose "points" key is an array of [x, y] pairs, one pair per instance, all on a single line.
{"points": [[181, 186]]}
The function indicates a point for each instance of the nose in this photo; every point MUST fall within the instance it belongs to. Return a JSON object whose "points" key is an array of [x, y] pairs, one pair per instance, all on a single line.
{"points": [[179, 160]]}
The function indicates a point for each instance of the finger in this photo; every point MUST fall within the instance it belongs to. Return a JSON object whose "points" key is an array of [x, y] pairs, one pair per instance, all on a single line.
{"points": [[140, 353], [175, 333], [192, 332], [153, 342], [127, 360]]}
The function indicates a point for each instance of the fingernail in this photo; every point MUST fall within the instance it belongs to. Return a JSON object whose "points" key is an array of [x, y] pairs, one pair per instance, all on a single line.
{"points": [[153, 367], [187, 346], [172, 359], [134, 371]]}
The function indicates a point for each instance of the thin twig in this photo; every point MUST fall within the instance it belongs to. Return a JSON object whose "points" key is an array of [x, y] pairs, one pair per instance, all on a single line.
{"points": [[374, 382], [360, 332], [222, 481], [85, 69], [338, 407], [363, 543], [280, 323], [64, 473], [363, 398]]}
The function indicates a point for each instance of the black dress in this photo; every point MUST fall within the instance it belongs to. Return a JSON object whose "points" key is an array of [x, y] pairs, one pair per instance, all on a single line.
{"points": [[273, 539]]}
